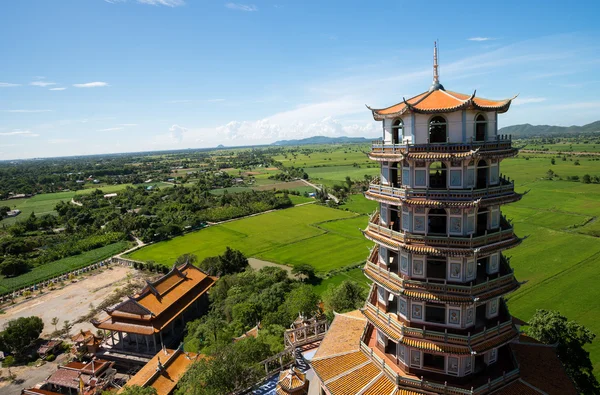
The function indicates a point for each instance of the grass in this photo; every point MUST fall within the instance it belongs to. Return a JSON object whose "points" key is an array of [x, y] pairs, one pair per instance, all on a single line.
{"points": [[331, 175], [359, 204], [324, 237], [46, 202], [53, 269], [355, 275]]}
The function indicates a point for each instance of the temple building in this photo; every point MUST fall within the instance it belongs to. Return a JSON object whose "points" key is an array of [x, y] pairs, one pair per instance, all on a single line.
{"points": [[156, 317], [435, 321]]}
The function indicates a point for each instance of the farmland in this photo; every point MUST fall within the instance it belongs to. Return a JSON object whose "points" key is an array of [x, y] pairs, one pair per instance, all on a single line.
{"points": [[53, 269], [324, 237]]}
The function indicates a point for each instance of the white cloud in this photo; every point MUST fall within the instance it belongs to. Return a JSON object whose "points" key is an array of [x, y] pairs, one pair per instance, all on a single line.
{"points": [[480, 39], [42, 84], [241, 7], [27, 111], [19, 132], [177, 133], [96, 84], [168, 3], [57, 89], [527, 100], [110, 129], [8, 85]]}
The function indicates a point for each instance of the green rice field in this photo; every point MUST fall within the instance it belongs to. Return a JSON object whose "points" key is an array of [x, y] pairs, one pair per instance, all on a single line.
{"points": [[324, 237]]}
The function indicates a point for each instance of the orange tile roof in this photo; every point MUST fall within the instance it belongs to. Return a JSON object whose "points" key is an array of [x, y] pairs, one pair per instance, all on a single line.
{"points": [[440, 101], [355, 380], [291, 379], [159, 303], [343, 335], [174, 365], [332, 366]]}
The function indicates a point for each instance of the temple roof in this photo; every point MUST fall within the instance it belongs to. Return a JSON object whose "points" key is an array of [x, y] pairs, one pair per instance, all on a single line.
{"points": [[159, 302], [163, 371], [441, 101]]}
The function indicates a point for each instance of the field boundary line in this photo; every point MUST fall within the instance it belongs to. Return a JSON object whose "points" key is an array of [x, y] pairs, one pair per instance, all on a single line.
{"points": [[571, 268]]}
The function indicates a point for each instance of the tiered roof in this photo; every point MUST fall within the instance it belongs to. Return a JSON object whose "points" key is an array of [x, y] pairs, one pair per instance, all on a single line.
{"points": [[159, 302], [164, 370], [439, 100]]}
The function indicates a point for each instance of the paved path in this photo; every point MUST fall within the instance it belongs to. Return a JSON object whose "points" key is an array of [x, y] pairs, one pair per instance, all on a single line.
{"points": [[336, 200], [139, 244], [76, 203]]}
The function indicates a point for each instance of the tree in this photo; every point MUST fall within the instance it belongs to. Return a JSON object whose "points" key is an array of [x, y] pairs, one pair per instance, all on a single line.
{"points": [[230, 368], [67, 327], [586, 179], [186, 258], [211, 265], [550, 174], [13, 266], [232, 261], [137, 390], [19, 334], [304, 269], [302, 300], [552, 161], [551, 327], [345, 297], [54, 322]]}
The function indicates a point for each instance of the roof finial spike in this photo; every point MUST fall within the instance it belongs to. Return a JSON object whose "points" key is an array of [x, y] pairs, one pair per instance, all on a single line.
{"points": [[436, 76]]}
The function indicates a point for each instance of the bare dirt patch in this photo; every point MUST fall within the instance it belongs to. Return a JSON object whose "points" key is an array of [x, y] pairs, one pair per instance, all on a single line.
{"points": [[258, 264], [72, 301], [280, 185]]}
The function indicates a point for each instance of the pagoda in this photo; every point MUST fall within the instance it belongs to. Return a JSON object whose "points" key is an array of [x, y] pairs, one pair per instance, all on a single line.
{"points": [[435, 320]]}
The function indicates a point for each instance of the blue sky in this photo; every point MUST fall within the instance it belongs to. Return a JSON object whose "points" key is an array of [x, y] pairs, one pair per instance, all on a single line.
{"points": [[98, 76]]}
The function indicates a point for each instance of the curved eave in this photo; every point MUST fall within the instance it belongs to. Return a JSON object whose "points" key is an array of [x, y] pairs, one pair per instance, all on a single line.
{"points": [[442, 251], [481, 202]]}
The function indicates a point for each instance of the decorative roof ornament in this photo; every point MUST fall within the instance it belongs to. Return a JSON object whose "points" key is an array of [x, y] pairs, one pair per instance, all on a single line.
{"points": [[436, 75]]}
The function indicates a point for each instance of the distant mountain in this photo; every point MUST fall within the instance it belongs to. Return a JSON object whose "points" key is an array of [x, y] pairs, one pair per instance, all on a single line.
{"points": [[528, 130], [323, 140]]}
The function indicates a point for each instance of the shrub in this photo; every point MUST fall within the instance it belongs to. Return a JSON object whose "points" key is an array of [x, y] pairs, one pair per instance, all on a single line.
{"points": [[50, 357]]}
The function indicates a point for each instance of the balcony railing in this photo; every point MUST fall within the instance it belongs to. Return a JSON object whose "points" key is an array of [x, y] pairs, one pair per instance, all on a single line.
{"points": [[443, 288], [504, 232], [433, 386], [501, 142], [505, 187], [469, 339]]}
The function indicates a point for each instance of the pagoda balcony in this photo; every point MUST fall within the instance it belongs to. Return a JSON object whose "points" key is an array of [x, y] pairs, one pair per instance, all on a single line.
{"points": [[482, 283], [387, 320], [482, 381], [499, 147], [505, 190], [389, 237]]}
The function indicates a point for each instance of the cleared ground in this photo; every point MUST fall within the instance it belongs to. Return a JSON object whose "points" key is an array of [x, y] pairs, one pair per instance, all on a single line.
{"points": [[70, 302]]}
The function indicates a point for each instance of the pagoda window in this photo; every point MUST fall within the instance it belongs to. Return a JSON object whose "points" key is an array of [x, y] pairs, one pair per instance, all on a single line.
{"points": [[455, 269], [383, 214], [469, 316], [492, 356], [416, 311], [454, 316], [420, 174], [495, 218], [471, 272], [405, 219], [435, 314], [437, 221], [468, 364], [480, 128], [391, 347], [482, 221], [385, 173], [436, 268], [494, 174], [438, 130], [383, 255], [470, 221], [434, 361], [437, 175], [415, 358], [397, 131], [402, 307], [453, 365], [381, 295], [402, 353], [404, 263], [405, 174], [493, 264], [470, 181], [482, 174], [492, 308], [418, 267], [456, 218], [381, 339]]}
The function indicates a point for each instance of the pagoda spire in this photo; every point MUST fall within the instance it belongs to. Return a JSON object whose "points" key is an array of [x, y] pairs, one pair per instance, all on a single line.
{"points": [[436, 76]]}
